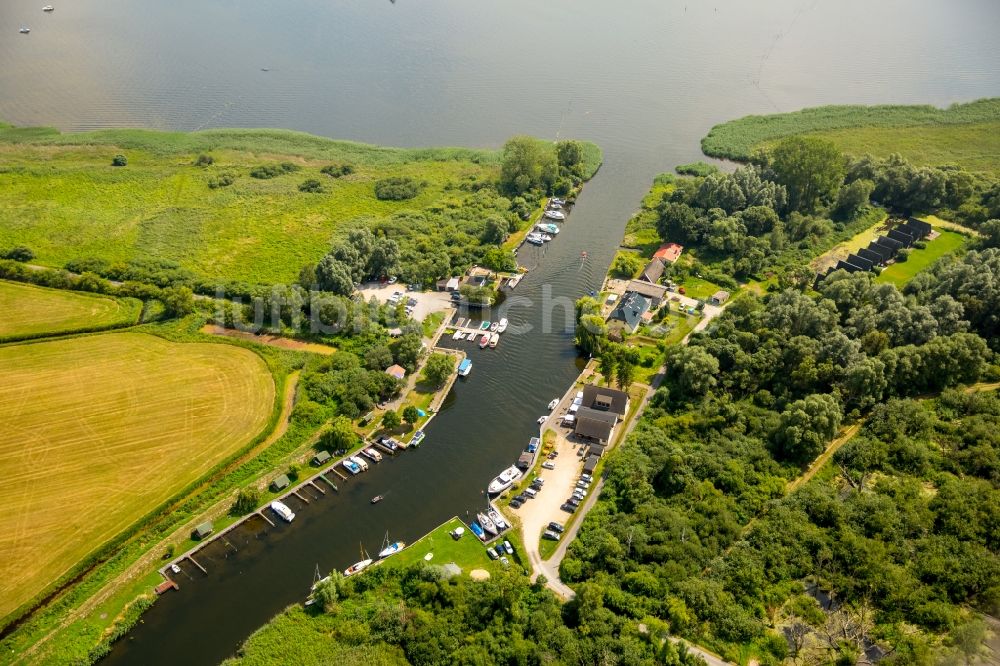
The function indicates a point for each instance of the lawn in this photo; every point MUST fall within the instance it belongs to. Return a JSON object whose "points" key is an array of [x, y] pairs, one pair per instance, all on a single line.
{"points": [[30, 311], [696, 287], [100, 430], [853, 244], [467, 552], [900, 273]]}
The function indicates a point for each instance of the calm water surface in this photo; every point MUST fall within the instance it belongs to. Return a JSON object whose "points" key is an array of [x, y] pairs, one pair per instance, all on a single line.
{"points": [[645, 79]]}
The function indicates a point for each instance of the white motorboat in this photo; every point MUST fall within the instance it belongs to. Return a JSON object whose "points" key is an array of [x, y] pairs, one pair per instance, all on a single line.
{"points": [[534, 238], [502, 326], [372, 454], [465, 367], [487, 524], [555, 215], [497, 519], [282, 510], [504, 480], [494, 339], [48, 8], [360, 463], [553, 404], [24, 30], [546, 228], [459, 335], [351, 466], [546, 238]]}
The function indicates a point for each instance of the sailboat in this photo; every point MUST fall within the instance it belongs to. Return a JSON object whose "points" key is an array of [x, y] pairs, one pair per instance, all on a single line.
{"points": [[390, 548], [358, 567]]}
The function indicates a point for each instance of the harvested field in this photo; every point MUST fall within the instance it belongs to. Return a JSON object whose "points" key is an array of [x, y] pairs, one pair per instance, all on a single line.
{"points": [[29, 311], [100, 430]]}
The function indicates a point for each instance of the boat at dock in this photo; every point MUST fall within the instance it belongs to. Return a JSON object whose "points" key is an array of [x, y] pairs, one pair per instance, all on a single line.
{"points": [[477, 530], [502, 325], [547, 228], [494, 339], [487, 524], [484, 326], [534, 238], [494, 326], [358, 567], [390, 548], [542, 419], [555, 215], [351, 466], [464, 368], [282, 510], [459, 335], [553, 404], [372, 454], [497, 519], [485, 340], [360, 463], [505, 480]]}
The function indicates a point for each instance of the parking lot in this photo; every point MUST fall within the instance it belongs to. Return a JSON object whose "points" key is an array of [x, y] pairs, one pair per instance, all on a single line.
{"points": [[426, 302]]}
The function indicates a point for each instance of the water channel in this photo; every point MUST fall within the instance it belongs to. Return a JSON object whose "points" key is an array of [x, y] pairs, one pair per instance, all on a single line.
{"points": [[645, 79]]}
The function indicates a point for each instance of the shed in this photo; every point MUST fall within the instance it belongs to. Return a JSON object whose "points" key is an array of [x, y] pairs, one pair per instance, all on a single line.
{"points": [[525, 460], [883, 251], [451, 284], [280, 483], [889, 242], [850, 268], [719, 297], [202, 530], [922, 227], [321, 457], [397, 371], [590, 464]]}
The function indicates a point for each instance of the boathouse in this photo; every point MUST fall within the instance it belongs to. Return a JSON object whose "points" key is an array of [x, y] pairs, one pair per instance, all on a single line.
{"points": [[280, 483], [202, 531], [321, 457]]}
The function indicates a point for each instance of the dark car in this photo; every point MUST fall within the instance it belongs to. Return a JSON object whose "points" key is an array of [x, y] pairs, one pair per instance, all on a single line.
{"points": [[568, 508], [556, 527], [516, 503], [521, 498], [574, 501]]}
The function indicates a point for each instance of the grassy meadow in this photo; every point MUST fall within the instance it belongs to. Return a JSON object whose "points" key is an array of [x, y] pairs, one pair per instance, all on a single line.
{"points": [[60, 196], [99, 429], [31, 311], [900, 273], [919, 132]]}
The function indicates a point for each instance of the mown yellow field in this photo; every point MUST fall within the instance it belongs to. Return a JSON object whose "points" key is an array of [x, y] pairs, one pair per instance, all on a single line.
{"points": [[97, 431], [29, 310]]}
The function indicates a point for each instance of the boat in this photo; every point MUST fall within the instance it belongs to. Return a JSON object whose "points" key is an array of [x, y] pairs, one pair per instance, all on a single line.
{"points": [[554, 206], [390, 443], [497, 519], [24, 30], [351, 466], [485, 340], [377, 499], [542, 419], [282, 510], [418, 437], [546, 238], [487, 524], [372, 454], [553, 404], [390, 548], [358, 567], [555, 215], [477, 530], [583, 255], [494, 326], [504, 480], [534, 239], [547, 228], [360, 463], [494, 339], [557, 200], [502, 326], [484, 326], [464, 368], [48, 8], [459, 335]]}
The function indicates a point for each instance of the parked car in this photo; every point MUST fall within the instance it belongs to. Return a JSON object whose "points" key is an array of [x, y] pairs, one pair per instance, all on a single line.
{"points": [[586, 477], [574, 501], [491, 553], [530, 493], [548, 465], [550, 535], [412, 302], [568, 508], [556, 527], [509, 548], [516, 503], [504, 561], [498, 550]]}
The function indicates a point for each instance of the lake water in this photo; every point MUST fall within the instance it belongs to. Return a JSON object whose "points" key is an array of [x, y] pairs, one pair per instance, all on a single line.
{"points": [[645, 79]]}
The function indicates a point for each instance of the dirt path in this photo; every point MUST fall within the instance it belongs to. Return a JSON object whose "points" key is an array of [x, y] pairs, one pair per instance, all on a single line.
{"points": [[270, 340], [147, 561]]}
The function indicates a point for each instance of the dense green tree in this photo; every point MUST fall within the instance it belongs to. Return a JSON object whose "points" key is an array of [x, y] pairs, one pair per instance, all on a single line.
{"points": [[177, 301], [811, 169], [527, 163], [499, 259], [390, 420], [806, 427], [626, 265], [339, 435], [852, 199], [411, 414], [438, 368]]}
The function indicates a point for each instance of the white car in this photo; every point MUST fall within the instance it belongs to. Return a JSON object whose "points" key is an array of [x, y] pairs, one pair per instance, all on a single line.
{"points": [[548, 465]]}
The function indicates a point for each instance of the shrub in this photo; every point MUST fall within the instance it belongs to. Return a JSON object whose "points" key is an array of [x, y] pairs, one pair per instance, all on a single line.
{"points": [[562, 187], [311, 185], [337, 170], [246, 501], [268, 171], [903, 255], [700, 169], [18, 253], [397, 188], [119, 161], [222, 180], [204, 160]]}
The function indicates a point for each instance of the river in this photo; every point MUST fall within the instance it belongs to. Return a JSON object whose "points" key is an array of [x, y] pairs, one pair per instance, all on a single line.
{"points": [[645, 79]]}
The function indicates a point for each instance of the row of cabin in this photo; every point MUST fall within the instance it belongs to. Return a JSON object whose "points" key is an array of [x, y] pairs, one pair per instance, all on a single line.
{"points": [[884, 249]]}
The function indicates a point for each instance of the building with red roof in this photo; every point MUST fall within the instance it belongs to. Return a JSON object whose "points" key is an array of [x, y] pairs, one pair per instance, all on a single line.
{"points": [[669, 252]]}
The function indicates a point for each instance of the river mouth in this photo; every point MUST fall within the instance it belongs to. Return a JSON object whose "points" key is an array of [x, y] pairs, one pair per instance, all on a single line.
{"points": [[644, 80]]}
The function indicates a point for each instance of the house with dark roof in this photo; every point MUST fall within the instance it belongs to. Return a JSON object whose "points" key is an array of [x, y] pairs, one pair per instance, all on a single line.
{"points": [[656, 293], [595, 424], [850, 268], [906, 239], [883, 251], [590, 464], [860, 262], [871, 256], [280, 483], [605, 399], [922, 227], [629, 310], [653, 271], [890, 243]]}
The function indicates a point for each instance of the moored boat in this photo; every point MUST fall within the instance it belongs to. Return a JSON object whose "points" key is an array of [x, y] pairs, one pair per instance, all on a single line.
{"points": [[418, 437], [351, 466], [504, 480], [391, 549], [371, 453], [487, 524], [485, 340], [547, 228], [494, 326], [282, 510], [357, 567], [459, 335], [494, 339], [534, 238], [497, 519], [360, 463], [477, 530], [555, 215], [546, 238], [465, 367], [484, 326], [502, 326], [553, 404]]}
